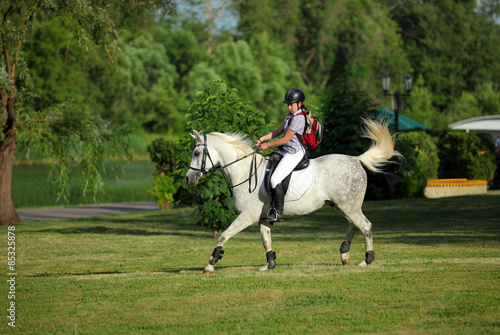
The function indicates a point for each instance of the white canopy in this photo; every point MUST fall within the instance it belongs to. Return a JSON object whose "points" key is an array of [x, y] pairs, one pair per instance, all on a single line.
{"points": [[486, 124]]}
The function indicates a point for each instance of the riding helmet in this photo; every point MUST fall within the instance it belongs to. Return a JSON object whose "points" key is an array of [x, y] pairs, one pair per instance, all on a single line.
{"points": [[294, 95]]}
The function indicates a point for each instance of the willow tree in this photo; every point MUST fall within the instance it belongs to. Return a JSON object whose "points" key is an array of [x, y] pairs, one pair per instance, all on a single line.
{"points": [[60, 132]]}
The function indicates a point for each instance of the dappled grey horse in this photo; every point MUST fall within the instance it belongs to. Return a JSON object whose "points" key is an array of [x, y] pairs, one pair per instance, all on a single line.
{"points": [[339, 181]]}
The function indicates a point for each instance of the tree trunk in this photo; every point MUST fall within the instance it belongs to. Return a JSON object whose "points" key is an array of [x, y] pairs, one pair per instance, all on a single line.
{"points": [[8, 214]]}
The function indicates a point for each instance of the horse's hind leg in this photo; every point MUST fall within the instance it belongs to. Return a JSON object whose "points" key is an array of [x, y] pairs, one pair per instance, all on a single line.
{"points": [[265, 232], [345, 246], [359, 221]]}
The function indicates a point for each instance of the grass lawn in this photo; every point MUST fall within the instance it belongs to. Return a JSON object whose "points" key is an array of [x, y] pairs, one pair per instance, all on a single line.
{"points": [[436, 271]]}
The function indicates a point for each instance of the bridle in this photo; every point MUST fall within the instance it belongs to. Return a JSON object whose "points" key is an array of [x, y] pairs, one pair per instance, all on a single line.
{"points": [[253, 167]]}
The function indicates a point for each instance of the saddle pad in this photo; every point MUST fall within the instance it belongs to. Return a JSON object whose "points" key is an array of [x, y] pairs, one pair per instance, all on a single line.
{"points": [[300, 183]]}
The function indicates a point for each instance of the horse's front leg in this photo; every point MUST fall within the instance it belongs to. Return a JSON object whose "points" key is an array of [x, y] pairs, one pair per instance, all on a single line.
{"points": [[242, 221], [265, 232]]}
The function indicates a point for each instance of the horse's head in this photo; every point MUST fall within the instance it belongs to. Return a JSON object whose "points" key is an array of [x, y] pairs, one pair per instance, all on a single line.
{"points": [[201, 161]]}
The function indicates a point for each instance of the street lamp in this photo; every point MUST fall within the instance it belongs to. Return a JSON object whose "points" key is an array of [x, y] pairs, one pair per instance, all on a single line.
{"points": [[398, 98]]}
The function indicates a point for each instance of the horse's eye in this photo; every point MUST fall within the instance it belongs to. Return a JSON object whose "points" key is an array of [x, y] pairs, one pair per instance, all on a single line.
{"points": [[197, 153]]}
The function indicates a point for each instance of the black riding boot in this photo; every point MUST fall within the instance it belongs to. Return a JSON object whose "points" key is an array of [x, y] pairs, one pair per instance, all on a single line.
{"points": [[276, 212]]}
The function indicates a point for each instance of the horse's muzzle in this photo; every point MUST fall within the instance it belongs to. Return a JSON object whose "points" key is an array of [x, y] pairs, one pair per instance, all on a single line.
{"points": [[192, 178]]}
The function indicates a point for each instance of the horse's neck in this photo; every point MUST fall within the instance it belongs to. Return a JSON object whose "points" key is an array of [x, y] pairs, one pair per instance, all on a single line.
{"points": [[238, 171]]}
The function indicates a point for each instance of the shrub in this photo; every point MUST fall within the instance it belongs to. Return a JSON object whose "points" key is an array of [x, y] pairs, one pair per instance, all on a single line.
{"points": [[169, 185], [407, 178], [164, 190], [466, 155], [217, 109], [162, 154], [496, 180], [425, 160]]}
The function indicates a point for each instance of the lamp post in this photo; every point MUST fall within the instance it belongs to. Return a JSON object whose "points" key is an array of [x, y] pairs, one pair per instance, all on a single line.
{"points": [[398, 98]]}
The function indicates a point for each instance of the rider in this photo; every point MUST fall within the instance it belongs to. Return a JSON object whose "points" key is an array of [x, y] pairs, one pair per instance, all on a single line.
{"points": [[291, 149]]}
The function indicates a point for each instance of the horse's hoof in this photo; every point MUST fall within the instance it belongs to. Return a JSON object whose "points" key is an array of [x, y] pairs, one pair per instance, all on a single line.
{"points": [[363, 263], [345, 258], [208, 270], [264, 268]]}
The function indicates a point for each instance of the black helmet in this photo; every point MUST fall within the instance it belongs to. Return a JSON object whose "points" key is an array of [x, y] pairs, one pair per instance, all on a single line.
{"points": [[294, 95]]}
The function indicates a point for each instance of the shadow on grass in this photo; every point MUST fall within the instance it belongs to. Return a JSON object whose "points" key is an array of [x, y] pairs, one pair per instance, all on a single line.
{"points": [[110, 230], [473, 219], [181, 271]]}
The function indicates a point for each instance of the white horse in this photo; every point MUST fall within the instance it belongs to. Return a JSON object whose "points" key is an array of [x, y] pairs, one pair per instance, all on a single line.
{"points": [[339, 181]]}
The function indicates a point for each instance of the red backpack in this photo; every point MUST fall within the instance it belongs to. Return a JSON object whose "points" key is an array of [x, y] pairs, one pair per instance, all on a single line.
{"points": [[313, 131]]}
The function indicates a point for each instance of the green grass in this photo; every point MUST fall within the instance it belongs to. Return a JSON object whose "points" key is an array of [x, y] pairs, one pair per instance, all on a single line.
{"points": [[437, 271]]}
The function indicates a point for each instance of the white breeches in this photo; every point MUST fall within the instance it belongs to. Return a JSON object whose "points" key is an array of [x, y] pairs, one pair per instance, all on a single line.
{"points": [[286, 166]]}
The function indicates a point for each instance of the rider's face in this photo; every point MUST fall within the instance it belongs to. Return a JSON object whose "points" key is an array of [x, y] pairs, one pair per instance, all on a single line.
{"points": [[293, 107]]}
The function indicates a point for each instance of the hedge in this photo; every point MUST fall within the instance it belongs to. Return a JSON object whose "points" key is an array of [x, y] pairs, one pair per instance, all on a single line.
{"points": [[407, 178], [466, 155]]}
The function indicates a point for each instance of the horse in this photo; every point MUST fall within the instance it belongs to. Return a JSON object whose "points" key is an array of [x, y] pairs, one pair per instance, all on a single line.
{"points": [[340, 181]]}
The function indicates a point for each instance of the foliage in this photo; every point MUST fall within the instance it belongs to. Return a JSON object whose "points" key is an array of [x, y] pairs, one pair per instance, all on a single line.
{"points": [[218, 109], [278, 73], [496, 180], [164, 189], [162, 154], [355, 45], [169, 185], [91, 25], [421, 106], [33, 185], [73, 137], [450, 45], [341, 113], [466, 155], [407, 178], [425, 156]]}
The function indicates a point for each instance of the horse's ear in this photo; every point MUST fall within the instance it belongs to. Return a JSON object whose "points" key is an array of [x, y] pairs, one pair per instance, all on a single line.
{"points": [[196, 136]]}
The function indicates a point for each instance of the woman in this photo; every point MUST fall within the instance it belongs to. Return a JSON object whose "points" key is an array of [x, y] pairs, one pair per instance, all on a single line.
{"points": [[291, 148]]}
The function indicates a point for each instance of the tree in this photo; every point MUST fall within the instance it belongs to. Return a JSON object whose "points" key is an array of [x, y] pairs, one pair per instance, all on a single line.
{"points": [[150, 80], [210, 17], [342, 110], [453, 45], [59, 131], [355, 40], [220, 109]]}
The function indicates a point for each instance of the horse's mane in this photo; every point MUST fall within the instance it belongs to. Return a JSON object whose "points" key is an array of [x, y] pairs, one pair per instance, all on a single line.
{"points": [[240, 142]]}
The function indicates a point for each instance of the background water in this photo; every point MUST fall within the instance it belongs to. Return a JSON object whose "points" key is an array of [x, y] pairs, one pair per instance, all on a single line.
{"points": [[33, 185]]}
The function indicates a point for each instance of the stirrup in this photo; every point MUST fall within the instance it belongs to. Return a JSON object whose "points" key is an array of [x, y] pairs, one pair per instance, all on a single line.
{"points": [[273, 216]]}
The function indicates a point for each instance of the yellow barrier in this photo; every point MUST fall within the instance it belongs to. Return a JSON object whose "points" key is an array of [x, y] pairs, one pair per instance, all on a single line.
{"points": [[438, 188], [456, 182]]}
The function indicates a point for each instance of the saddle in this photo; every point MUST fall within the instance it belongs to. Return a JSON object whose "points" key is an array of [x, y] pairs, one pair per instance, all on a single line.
{"points": [[273, 162]]}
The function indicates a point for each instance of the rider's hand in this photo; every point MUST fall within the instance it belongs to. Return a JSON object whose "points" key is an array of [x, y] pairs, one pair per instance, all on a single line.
{"points": [[258, 143]]}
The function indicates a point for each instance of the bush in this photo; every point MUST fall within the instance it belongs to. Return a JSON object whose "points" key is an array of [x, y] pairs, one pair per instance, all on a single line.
{"points": [[408, 178], [466, 155], [164, 190], [425, 159], [217, 109], [169, 185], [496, 180], [162, 154]]}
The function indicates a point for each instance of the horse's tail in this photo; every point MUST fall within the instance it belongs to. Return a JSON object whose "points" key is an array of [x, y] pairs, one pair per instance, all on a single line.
{"points": [[382, 148]]}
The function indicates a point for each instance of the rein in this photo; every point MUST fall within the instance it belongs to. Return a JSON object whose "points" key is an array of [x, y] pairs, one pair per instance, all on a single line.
{"points": [[253, 167]]}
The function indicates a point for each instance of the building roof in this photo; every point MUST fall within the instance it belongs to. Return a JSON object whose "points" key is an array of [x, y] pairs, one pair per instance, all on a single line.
{"points": [[405, 123]]}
